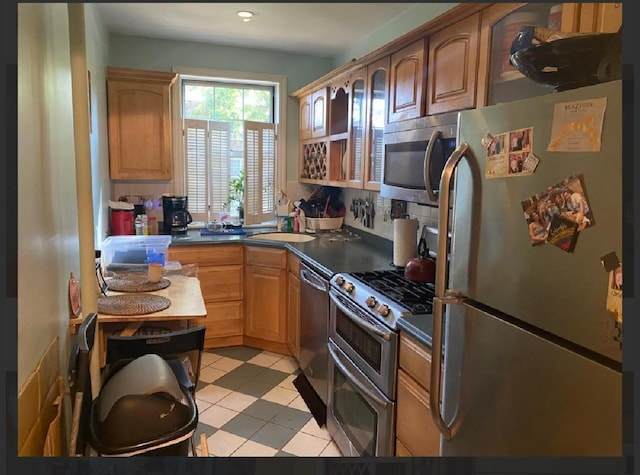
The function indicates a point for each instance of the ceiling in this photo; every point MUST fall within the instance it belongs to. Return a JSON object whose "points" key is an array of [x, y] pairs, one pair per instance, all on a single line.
{"points": [[318, 29]]}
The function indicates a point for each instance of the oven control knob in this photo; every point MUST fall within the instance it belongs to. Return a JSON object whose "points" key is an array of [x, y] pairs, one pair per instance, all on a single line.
{"points": [[348, 287], [384, 310], [340, 281], [371, 301]]}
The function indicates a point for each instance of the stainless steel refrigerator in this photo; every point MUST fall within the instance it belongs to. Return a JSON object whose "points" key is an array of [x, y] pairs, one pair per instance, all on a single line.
{"points": [[531, 358]]}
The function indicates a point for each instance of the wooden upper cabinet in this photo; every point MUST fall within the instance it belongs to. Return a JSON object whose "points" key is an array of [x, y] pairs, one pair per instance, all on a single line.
{"points": [[406, 82], [139, 117], [319, 113], [305, 117], [313, 115], [592, 17], [377, 93], [453, 66]]}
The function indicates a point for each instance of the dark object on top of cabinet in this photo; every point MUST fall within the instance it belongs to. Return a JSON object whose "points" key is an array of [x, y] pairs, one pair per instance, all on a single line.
{"points": [[571, 62]]}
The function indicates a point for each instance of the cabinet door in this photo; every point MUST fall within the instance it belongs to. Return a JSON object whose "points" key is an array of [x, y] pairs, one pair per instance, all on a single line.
{"points": [[407, 79], [592, 17], [224, 319], [498, 81], [220, 283], [357, 122], [293, 315], [414, 426], [265, 303], [139, 124], [319, 107], [377, 93], [453, 66], [305, 117]]}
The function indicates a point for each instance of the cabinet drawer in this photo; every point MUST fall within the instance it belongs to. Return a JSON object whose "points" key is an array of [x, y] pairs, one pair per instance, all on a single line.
{"points": [[266, 257], [293, 263], [415, 359], [414, 426], [224, 319], [221, 283], [214, 255]]}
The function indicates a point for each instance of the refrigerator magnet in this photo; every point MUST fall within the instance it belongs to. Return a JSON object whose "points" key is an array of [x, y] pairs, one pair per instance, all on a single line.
{"points": [[486, 141], [530, 163], [614, 292], [507, 153]]}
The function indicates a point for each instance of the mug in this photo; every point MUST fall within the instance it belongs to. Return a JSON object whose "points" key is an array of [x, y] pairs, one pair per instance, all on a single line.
{"points": [[154, 272]]}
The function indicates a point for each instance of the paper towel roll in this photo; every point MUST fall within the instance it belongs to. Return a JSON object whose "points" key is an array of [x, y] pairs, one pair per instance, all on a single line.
{"points": [[405, 238]]}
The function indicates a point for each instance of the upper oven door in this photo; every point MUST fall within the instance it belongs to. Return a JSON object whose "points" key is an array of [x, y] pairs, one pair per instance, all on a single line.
{"points": [[413, 161]]}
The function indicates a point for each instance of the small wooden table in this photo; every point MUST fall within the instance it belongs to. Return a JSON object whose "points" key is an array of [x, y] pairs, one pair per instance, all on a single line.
{"points": [[187, 304]]}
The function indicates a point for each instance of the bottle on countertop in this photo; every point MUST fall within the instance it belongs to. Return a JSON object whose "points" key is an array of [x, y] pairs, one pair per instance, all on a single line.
{"points": [[296, 223], [139, 226]]}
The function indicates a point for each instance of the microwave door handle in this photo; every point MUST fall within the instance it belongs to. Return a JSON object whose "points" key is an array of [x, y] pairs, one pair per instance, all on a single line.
{"points": [[442, 297], [427, 165], [366, 391], [358, 321]]}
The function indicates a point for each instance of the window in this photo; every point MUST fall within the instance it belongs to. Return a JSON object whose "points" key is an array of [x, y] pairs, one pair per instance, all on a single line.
{"points": [[229, 130]]}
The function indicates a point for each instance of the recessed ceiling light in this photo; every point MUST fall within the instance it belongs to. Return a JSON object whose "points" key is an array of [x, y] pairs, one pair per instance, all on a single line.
{"points": [[245, 15]]}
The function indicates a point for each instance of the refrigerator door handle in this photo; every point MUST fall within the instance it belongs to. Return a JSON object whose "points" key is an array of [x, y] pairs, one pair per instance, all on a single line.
{"points": [[442, 296], [427, 165]]}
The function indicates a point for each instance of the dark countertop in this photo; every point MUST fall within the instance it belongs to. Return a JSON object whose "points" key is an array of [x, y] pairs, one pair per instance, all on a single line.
{"points": [[327, 257]]}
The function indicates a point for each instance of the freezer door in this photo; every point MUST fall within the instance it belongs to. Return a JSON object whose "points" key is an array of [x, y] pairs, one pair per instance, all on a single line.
{"points": [[493, 261], [516, 394]]}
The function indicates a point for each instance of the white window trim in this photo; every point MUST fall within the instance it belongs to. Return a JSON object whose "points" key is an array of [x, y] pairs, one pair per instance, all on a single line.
{"points": [[279, 83]]}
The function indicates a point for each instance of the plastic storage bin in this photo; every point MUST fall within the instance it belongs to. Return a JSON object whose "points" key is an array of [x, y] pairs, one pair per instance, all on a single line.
{"points": [[322, 224], [120, 253]]}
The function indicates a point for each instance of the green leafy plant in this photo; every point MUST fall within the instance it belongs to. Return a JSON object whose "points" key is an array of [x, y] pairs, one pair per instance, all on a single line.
{"points": [[236, 190]]}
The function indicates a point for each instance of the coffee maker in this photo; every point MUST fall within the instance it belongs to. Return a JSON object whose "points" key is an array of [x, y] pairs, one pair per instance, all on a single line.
{"points": [[175, 215]]}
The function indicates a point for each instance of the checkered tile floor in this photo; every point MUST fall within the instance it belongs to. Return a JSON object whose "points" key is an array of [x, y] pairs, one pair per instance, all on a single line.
{"points": [[248, 407]]}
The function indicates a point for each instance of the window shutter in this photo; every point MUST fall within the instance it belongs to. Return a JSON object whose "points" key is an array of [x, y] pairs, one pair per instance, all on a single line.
{"points": [[195, 137], [259, 165], [220, 147]]}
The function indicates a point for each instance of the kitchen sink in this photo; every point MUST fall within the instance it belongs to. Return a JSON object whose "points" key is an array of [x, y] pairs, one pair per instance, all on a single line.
{"points": [[283, 237]]}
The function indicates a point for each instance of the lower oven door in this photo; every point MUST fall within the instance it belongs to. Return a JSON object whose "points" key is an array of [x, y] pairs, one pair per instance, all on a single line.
{"points": [[371, 345], [360, 418]]}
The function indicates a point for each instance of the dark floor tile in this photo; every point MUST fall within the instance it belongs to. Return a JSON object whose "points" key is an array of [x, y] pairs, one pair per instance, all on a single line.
{"points": [[200, 385], [243, 353], [273, 435], [231, 381], [262, 409], [271, 376], [204, 429], [255, 388], [291, 418], [283, 454], [248, 370], [243, 425]]}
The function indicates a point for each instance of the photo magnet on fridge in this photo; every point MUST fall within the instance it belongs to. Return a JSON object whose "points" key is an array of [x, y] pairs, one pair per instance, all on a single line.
{"points": [[563, 233]]}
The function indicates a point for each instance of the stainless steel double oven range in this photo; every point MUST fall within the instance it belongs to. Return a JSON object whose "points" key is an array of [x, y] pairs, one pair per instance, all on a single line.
{"points": [[363, 355]]}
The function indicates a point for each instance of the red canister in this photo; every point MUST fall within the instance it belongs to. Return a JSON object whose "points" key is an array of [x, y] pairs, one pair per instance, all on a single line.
{"points": [[121, 222]]}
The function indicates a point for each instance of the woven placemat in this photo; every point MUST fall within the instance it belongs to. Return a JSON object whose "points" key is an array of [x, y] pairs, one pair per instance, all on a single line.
{"points": [[136, 283], [132, 304]]}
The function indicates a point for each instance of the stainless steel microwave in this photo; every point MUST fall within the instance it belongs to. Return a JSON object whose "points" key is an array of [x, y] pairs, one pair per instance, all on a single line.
{"points": [[415, 153]]}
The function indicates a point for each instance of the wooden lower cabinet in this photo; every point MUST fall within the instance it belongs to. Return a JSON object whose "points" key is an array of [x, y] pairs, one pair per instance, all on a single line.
{"points": [[266, 299], [220, 271], [416, 433], [293, 306]]}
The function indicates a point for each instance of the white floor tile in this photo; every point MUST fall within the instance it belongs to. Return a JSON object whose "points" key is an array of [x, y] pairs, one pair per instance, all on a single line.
{"points": [[209, 374], [236, 401], [287, 383], [217, 416], [226, 364], [298, 403], [212, 393], [202, 405], [254, 449], [208, 358], [285, 364], [331, 450], [280, 396], [305, 445], [223, 444], [312, 428], [264, 360], [271, 353]]}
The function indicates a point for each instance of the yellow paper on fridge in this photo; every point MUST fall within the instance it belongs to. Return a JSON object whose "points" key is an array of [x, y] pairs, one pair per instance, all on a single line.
{"points": [[577, 126]]}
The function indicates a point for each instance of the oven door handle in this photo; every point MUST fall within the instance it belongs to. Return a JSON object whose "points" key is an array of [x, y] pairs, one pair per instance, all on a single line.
{"points": [[427, 165], [366, 391], [358, 321]]}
